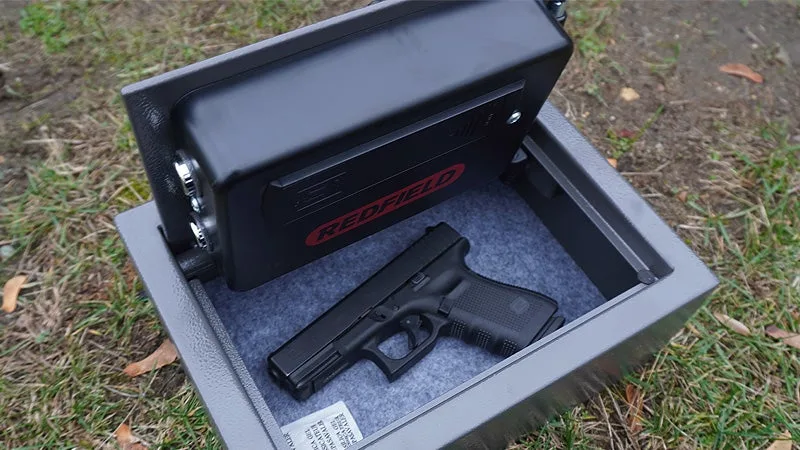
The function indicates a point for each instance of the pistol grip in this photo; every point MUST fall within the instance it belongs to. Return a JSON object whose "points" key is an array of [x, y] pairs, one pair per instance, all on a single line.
{"points": [[394, 368], [500, 318]]}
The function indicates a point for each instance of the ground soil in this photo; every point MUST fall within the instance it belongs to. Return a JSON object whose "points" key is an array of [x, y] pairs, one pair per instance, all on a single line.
{"points": [[700, 103], [32, 91]]}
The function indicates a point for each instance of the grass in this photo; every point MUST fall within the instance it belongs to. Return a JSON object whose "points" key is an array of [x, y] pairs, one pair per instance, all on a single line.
{"points": [[748, 385], [46, 22], [666, 65], [82, 317], [623, 143], [284, 15], [590, 28]]}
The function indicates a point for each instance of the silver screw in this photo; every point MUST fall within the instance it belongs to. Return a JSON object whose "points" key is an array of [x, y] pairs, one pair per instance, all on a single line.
{"points": [[514, 118], [199, 234], [196, 204], [558, 8], [186, 175]]}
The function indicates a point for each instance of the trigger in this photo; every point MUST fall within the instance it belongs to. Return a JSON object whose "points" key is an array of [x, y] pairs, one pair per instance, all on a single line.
{"points": [[412, 325]]}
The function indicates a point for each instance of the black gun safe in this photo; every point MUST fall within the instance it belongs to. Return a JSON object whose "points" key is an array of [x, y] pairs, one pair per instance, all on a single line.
{"points": [[556, 219]]}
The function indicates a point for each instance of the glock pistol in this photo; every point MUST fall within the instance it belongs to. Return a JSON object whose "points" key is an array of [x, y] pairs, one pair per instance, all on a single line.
{"points": [[427, 292]]}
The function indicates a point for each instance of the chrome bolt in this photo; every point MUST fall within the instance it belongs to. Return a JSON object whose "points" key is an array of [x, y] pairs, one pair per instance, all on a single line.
{"points": [[196, 203], [514, 118], [186, 175], [558, 8], [199, 234]]}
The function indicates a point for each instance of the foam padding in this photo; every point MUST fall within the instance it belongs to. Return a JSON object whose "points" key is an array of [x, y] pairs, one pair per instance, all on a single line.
{"points": [[508, 244]]}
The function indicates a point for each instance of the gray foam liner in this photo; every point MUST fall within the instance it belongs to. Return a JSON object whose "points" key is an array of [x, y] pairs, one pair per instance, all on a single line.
{"points": [[508, 244]]}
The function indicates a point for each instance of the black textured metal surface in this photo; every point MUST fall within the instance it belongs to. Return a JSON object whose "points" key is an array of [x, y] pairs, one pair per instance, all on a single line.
{"points": [[150, 102], [308, 155]]}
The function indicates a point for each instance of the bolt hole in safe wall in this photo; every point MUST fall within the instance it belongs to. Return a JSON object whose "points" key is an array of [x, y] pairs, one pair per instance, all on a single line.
{"points": [[362, 218]]}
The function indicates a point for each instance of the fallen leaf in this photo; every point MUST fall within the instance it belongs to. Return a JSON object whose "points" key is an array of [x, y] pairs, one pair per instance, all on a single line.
{"points": [[626, 133], [164, 354], [612, 161], [784, 442], [628, 94], [126, 439], [682, 196], [777, 333], [740, 70], [2, 159], [11, 292], [789, 339], [733, 324], [635, 403]]}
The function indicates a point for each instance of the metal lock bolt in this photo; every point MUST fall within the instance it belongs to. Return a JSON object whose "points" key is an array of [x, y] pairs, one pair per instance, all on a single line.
{"points": [[200, 236], [196, 203], [185, 173]]}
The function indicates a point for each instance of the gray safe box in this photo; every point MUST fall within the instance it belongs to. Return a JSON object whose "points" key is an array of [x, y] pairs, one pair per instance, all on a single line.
{"points": [[569, 227]]}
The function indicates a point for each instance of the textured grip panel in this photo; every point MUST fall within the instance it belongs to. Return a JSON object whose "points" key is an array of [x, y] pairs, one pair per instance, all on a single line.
{"points": [[496, 305], [502, 319]]}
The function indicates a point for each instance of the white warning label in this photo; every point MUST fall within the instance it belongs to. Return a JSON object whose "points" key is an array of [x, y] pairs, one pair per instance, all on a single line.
{"points": [[331, 428]]}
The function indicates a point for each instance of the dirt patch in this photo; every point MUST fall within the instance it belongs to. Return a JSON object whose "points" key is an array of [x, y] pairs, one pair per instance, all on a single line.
{"points": [[34, 89], [671, 54]]}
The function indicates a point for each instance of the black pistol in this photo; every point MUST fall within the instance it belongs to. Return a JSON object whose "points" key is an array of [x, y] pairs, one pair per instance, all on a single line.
{"points": [[426, 292]]}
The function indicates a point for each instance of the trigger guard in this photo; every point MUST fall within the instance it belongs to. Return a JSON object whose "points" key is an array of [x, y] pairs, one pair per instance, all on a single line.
{"points": [[394, 368]]}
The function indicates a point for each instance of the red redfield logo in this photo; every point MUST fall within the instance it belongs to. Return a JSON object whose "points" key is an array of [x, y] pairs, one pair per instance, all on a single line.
{"points": [[385, 205]]}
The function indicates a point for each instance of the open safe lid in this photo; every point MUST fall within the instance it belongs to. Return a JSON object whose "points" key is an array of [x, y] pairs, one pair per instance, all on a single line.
{"points": [[515, 394], [264, 155]]}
